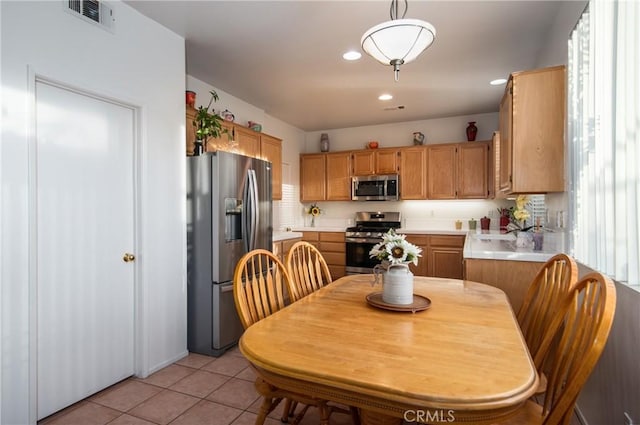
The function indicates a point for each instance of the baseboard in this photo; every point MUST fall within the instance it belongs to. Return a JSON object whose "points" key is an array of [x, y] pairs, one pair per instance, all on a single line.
{"points": [[165, 364]]}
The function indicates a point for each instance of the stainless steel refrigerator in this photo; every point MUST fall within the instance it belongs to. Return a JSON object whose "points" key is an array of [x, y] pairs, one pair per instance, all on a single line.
{"points": [[229, 213]]}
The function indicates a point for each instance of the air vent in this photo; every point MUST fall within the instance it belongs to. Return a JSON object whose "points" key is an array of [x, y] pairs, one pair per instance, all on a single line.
{"points": [[394, 108], [94, 11]]}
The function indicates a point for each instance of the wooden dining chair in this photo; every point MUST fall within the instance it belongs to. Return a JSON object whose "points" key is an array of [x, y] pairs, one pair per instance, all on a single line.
{"points": [[542, 302], [259, 282], [307, 268], [582, 331]]}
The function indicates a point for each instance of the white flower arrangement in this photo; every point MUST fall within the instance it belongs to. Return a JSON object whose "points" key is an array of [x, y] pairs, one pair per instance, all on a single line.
{"points": [[394, 249]]}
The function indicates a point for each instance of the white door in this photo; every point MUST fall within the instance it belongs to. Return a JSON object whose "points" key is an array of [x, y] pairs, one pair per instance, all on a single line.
{"points": [[85, 225]]}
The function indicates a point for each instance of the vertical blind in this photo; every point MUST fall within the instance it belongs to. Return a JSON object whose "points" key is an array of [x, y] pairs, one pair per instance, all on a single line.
{"points": [[604, 132]]}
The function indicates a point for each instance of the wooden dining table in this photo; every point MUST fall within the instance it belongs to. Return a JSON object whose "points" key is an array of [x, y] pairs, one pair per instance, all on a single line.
{"points": [[461, 360]]}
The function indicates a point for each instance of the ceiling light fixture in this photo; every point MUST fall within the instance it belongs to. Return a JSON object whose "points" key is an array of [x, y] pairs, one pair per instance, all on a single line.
{"points": [[385, 97], [352, 55], [497, 82], [399, 40]]}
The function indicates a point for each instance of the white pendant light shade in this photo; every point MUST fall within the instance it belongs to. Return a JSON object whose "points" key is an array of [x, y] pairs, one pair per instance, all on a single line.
{"points": [[398, 41]]}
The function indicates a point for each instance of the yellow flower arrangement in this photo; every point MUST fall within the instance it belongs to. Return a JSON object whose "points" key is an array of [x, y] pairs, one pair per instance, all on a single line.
{"points": [[519, 214], [314, 210]]}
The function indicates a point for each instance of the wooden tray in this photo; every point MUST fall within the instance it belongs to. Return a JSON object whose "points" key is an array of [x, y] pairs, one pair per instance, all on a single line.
{"points": [[420, 303]]}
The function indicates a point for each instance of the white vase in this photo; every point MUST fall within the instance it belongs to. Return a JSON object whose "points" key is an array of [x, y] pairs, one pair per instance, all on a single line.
{"points": [[397, 285]]}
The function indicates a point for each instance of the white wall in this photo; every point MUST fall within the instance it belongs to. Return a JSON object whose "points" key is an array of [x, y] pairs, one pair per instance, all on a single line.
{"points": [[141, 63], [440, 130]]}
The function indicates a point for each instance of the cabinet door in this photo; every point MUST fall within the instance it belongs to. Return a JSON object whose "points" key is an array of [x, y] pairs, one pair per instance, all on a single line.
{"points": [[277, 250], [386, 161], [413, 173], [191, 132], [248, 141], [444, 256], [421, 241], [506, 140], [473, 170], [445, 262], [338, 176], [442, 172], [226, 140], [271, 150], [312, 177], [363, 163], [538, 111]]}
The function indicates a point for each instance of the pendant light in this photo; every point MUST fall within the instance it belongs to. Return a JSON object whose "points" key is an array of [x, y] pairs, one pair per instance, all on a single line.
{"points": [[399, 40]]}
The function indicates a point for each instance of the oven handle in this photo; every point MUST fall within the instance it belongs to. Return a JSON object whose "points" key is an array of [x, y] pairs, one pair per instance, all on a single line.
{"points": [[363, 240]]}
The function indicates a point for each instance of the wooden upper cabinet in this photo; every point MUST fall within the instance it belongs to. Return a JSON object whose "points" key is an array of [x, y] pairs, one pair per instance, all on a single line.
{"points": [[271, 150], [364, 163], [223, 143], [532, 116], [312, 177], [441, 176], [374, 161], [413, 173], [458, 171], [191, 132], [338, 175], [505, 163], [474, 172], [248, 141], [386, 161]]}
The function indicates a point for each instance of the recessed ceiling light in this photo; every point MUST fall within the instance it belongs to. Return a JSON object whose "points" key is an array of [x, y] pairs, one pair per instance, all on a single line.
{"points": [[385, 97], [352, 55], [498, 82]]}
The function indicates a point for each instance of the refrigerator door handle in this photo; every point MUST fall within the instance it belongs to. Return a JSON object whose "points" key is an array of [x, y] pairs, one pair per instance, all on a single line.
{"points": [[255, 213], [246, 213]]}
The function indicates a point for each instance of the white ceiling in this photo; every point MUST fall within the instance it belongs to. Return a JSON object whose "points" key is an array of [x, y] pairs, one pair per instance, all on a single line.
{"points": [[285, 57]]}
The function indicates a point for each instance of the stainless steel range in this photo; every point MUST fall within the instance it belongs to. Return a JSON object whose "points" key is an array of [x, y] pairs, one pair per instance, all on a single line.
{"points": [[368, 231]]}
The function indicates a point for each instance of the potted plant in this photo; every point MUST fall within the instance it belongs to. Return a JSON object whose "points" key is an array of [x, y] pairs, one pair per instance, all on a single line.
{"points": [[207, 124]]}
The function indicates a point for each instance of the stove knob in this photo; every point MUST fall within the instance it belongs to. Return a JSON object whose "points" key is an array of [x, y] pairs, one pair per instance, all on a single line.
{"points": [[368, 233]]}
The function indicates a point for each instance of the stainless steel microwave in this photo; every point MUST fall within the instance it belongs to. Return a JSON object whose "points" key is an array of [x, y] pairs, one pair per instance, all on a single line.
{"points": [[375, 188]]}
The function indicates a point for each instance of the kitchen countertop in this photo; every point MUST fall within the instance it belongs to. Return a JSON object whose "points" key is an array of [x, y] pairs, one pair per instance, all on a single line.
{"points": [[453, 232], [319, 229], [502, 246], [283, 236]]}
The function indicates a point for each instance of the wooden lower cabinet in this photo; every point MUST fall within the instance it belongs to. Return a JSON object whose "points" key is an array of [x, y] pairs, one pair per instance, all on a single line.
{"points": [[422, 242], [281, 248], [444, 256], [332, 247], [441, 255], [513, 277]]}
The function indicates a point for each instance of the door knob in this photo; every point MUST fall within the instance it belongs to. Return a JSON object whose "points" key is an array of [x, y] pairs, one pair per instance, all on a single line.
{"points": [[128, 257]]}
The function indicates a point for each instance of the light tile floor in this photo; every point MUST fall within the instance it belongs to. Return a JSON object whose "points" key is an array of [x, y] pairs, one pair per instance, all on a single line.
{"points": [[196, 390]]}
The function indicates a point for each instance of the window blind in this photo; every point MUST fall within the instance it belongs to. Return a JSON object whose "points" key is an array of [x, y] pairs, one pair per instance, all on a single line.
{"points": [[604, 133]]}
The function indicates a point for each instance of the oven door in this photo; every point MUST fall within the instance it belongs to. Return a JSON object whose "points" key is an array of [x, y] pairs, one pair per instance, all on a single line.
{"points": [[357, 258]]}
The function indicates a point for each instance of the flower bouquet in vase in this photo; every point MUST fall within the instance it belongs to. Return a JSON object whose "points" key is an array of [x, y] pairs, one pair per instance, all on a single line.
{"points": [[395, 254], [518, 225], [314, 211]]}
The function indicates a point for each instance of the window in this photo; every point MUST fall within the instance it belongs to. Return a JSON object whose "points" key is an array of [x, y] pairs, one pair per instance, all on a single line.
{"points": [[604, 132]]}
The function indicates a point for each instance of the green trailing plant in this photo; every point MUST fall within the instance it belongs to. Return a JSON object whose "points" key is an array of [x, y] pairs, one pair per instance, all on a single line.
{"points": [[208, 124]]}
